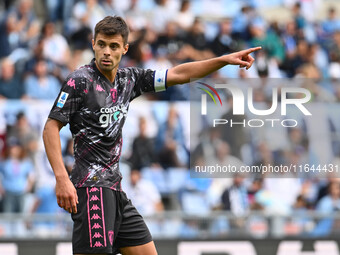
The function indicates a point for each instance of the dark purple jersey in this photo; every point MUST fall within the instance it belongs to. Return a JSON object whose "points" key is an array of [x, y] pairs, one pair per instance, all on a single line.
{"points": [[96, 110]]}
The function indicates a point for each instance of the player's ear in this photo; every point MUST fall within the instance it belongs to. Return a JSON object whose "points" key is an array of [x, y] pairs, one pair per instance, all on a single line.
{"points": [[92, 44], [126, 47]]}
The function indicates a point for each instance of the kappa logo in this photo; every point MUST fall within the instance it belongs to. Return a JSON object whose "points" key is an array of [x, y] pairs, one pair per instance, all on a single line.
{"points": [[94, 198], [96, 226], [97, 235], [95, 217], [98, 244], [99, 88], [94, 208], [94, 189], [71, 83]]}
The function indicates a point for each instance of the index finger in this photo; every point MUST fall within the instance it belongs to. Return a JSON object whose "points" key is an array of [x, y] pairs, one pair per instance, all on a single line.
{"points": [[250, 50]]}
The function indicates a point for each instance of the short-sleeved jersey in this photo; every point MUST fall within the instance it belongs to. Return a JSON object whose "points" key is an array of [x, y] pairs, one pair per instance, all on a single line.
{"points": [[96, 110]]}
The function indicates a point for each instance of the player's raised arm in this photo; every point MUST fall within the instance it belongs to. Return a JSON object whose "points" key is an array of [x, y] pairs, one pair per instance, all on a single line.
{"points": [[184, 72]]}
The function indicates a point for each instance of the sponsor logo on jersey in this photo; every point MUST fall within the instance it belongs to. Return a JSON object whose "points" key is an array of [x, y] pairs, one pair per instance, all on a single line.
{"points": [[62, 99], [112, 114]]}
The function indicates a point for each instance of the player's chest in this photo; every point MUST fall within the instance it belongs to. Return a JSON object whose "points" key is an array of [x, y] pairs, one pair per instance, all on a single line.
{"points": [[106, 104]]}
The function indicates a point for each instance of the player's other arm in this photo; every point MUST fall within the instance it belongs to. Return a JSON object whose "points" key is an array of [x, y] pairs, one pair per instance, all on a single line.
{"points": [[184, 72], [65, 191]]}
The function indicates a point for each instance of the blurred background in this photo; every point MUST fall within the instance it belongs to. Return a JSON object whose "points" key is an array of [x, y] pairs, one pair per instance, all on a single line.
{"points": [[41, 42]]}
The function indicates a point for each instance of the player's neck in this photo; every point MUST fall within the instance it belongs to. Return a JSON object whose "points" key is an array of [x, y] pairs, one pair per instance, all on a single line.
{"points": [[110, 75]]}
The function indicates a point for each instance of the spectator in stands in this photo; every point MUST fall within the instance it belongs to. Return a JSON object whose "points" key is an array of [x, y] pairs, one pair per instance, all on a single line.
{"points": [[332, 22], [54, 42], [135, 18], [41, 85], [59, 10], [299, 19], [319, 57], [326, 206], [313, 75], [8, 4], [6, 27], [208, 141], [143, 151], [334, 48], [240, 23], [223, 156], [235, 198], [10, 82], [234, 135], [225, 42], [110, 9], [196, 46], [169, 41], [26, 135], [185, 18], [263, 156], [269, 41], [255, 187], [37, 55], [87, 13], [17, 177], [296, 58], [22, 24], [170, 142], [143, 194], [161, 15], [279, 200]]}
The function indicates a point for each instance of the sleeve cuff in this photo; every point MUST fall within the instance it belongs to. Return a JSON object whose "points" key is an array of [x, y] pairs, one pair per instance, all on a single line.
{"points": [[160, 80]]}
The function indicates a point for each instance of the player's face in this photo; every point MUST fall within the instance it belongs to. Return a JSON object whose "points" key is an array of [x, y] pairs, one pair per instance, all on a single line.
{"points": [[108, 51]]}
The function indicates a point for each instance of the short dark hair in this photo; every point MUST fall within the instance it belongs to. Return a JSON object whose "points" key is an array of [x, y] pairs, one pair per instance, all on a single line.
{"points": [[112, 25]]}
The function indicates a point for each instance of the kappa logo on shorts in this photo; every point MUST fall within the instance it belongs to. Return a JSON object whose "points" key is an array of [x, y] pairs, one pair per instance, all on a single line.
{"points": [[95, 217], [96, 226], [94, 189], [98, 244], [94, 208], [94, 198], [97, 235]]}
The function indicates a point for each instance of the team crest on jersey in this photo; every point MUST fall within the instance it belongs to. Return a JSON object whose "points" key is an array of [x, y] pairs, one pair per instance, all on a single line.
{"points": [[113, 95]]}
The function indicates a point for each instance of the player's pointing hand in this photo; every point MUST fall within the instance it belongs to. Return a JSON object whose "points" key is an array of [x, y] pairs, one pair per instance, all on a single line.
{"points": [[242, 58]]}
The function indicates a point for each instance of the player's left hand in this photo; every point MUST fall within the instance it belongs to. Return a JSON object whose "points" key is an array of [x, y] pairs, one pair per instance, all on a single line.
{"points": [[242, 58]]}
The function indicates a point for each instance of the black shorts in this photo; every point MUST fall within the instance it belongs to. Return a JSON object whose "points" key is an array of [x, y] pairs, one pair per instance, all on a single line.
{"points": [[106, 221]]}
